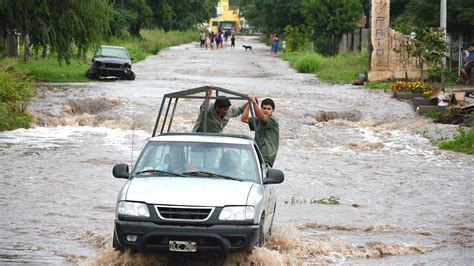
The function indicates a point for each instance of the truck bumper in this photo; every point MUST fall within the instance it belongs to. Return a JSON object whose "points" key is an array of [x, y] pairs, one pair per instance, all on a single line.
{"points": [[220, 238]]}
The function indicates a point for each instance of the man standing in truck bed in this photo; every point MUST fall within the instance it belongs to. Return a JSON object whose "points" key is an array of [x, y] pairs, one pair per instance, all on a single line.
{"points": [[267, 131], [218, 116]]}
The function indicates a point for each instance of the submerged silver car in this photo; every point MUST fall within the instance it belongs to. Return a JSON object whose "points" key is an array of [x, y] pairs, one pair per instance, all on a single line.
{"points": [[196, 193]]}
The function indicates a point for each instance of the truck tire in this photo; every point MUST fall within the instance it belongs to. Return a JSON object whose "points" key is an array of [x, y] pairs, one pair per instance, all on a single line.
{"points": [[261, 233], [116, 244]]}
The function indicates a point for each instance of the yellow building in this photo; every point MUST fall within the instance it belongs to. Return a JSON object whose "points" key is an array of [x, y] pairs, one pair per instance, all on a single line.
{"points": [[228, 17]]}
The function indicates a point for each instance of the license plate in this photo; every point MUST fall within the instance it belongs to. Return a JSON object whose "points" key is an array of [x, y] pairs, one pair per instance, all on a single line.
{"points": [[182, 246]]}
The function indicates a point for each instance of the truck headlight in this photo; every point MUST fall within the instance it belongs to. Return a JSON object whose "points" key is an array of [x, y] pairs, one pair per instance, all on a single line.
{"points": [[135, 209], [237, 213]]}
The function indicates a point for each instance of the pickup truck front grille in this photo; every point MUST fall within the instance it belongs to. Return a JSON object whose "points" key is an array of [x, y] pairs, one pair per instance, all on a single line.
{"points": [[179, 213]]}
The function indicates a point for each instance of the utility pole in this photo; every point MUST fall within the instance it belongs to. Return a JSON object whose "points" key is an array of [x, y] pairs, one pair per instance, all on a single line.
{"points": [[442, 22]]}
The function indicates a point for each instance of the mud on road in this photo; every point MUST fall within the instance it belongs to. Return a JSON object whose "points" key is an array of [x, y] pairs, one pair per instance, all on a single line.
{"points": [[363, 183]]}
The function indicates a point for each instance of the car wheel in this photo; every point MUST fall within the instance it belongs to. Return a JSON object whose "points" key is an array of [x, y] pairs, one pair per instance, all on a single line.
{"points": [[90, 75], [261, 234], [116, 244], [131, 76]]}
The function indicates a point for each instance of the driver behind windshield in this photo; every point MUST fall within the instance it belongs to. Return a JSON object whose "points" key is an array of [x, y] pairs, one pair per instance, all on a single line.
{"points": [[230, 165], [174, 161]]}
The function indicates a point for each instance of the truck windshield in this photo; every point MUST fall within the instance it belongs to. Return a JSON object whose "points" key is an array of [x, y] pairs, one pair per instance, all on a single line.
{"points": [[211, 159], [112, 52]]}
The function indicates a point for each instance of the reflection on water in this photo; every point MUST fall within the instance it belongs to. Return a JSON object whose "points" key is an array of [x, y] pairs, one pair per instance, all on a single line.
{"points": [[400, 199]]}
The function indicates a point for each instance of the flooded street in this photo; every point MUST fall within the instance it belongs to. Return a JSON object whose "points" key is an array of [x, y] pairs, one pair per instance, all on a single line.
{"points": [[396, 198]]}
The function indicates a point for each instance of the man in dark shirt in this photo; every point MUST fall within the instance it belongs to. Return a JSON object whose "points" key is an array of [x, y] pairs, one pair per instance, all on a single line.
{"points": [[267, 128], [218, 116]]}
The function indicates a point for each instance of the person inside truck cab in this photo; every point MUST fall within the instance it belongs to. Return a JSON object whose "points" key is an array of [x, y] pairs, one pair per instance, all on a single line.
{"points": [[230, 164], [218, 115], [174, 161]]}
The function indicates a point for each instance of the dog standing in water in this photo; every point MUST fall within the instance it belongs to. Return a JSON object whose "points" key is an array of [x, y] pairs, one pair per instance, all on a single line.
{"points": [[247, 47]]}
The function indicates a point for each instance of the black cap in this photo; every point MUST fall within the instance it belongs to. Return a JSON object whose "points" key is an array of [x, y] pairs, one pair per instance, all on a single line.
{"points": [[222, 101]]}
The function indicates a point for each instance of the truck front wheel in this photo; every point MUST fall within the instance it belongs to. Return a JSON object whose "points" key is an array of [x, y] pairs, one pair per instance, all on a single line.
{"points": [[261, 233], [116, 244]]}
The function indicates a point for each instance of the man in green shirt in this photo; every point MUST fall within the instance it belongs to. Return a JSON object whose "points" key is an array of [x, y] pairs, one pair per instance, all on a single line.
{"points": [[218, 116], [267, 132]]}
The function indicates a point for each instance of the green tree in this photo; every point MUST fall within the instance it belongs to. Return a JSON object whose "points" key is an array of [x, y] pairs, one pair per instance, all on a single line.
{"points": [[162, 14], [272, 15], [425, 13], [181, 14], [397, 8], [65, 26], [139, 14], [121, 20], [428, 48], [187, 13], [296, 37], [330, 19]]}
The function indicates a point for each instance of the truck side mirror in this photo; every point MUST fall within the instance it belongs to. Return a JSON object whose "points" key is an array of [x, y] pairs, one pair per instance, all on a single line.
{"points": [[274, 176], [121, 171]]}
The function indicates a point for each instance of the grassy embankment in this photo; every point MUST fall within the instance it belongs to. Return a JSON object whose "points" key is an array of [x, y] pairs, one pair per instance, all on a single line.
{"points": [[463, 142], [152, 42], [344, 68], [16, 76], [15, 93]]}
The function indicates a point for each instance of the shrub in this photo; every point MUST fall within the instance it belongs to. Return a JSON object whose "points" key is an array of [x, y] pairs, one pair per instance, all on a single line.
{"points": [[309, 63], [296, 38], [12, 118], [435, 75], [341, 68], [14, 97], [463, 142], [434, 115]]}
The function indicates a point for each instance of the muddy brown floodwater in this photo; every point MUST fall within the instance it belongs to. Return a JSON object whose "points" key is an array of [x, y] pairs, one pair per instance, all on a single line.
{"points": [[400, 199]]}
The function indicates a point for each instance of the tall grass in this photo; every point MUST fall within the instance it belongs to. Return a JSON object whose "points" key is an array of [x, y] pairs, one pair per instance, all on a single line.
{"points": [[463, 142], [15, 93], [49, 70], [342, 68]]}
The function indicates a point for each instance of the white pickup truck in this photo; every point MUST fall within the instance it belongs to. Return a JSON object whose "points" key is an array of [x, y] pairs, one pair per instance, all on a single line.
{"points": [[195, 192]]}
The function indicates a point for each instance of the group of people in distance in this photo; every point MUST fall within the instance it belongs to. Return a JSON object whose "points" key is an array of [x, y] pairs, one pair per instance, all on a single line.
{"points": [[275, 42], [216, 40], [267, 127]]}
